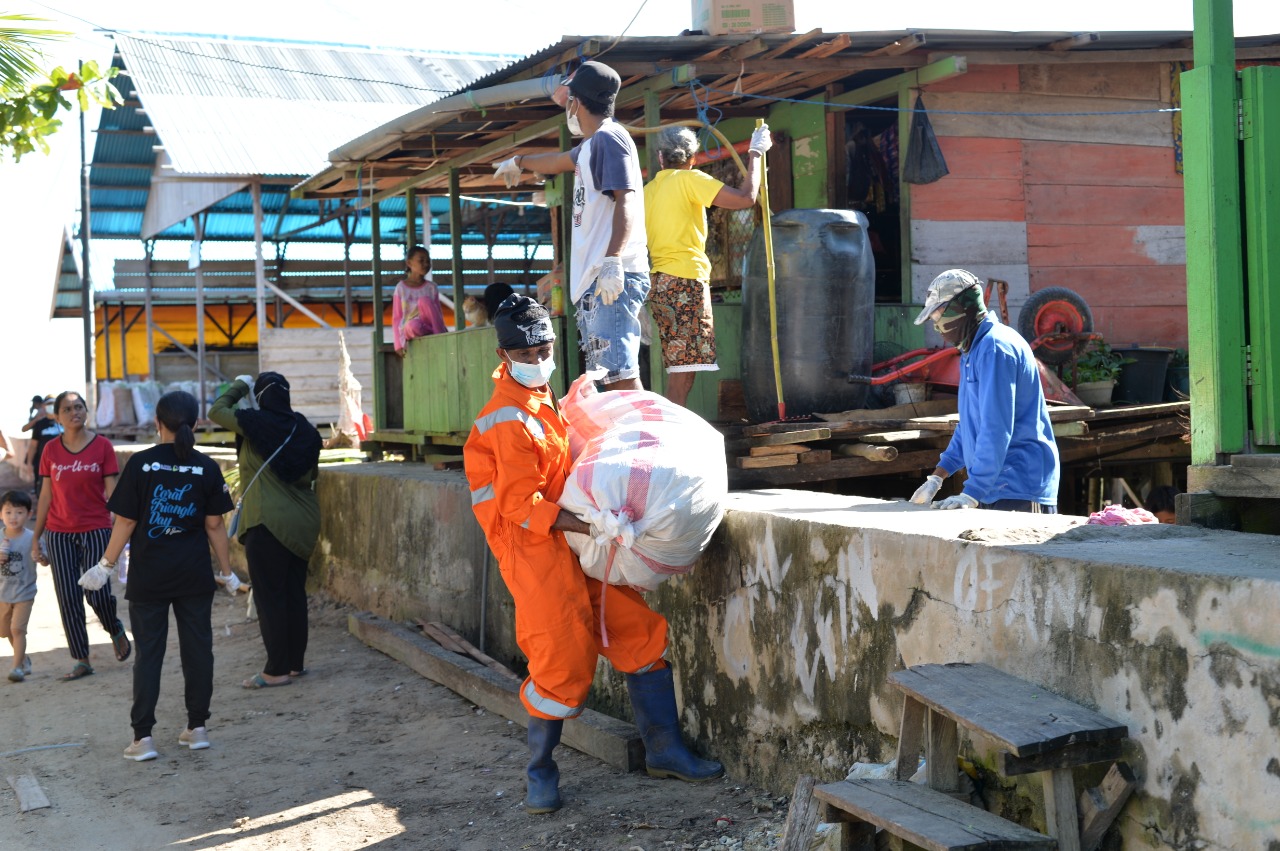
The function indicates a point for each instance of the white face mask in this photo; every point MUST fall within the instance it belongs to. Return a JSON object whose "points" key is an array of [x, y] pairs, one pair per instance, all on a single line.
{"points": [[571, 119], [532, 375]]}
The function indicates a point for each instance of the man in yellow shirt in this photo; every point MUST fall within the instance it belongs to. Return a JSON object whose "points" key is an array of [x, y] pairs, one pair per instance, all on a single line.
{"points": [[675, 212]]}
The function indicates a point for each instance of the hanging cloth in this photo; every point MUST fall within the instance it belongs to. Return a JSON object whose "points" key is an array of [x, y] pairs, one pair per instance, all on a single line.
{"points": [[925, 163]]}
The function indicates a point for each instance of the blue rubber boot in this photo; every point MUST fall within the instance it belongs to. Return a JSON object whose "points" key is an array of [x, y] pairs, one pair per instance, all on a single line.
{"points": [[542, 773], [653, 698]]}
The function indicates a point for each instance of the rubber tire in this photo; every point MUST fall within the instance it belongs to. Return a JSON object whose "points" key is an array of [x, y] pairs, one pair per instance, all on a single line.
{"points": [[1054, 300]]}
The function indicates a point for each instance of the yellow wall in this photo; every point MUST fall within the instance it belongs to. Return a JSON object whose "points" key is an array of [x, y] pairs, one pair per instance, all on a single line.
{"points": [[180, 321]]}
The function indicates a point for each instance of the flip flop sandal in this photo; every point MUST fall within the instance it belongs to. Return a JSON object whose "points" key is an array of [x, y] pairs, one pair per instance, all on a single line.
{"points": [[257, 681], [293, 675], [120, 642], [80, 670]]}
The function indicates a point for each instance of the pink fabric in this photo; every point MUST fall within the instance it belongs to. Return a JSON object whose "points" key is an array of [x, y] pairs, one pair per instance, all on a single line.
{"points": [[1118, 515], [416, 312]]}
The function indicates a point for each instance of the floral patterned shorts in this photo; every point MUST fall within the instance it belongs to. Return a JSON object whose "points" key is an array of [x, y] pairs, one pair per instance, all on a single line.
{"points": [[682, 310]]}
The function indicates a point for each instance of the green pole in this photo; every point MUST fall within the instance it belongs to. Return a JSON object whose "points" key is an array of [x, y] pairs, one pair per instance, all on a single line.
{"points": [[1215, 271], [379, 355]]}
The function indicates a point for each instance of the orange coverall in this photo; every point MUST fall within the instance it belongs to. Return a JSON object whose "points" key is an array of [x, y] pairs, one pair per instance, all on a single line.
{"points": [[517, 459]]}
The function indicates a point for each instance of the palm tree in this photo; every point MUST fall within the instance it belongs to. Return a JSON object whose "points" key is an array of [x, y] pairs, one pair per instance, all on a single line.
{"points": [[19, 51]]}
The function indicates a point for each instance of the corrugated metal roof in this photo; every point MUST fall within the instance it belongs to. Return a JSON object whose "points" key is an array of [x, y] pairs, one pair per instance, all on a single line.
{"points": [[230, 106]]}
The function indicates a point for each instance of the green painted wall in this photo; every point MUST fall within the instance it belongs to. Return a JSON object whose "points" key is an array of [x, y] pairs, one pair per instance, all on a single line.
{"points": [[807, 128]]}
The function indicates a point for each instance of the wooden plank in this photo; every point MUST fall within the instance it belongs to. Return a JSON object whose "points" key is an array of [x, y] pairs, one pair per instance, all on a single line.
{"points": [[1129, 80], [926, 817], [1100, 165], [799, 436], [1070, 429], [1066, 413], [608, 739], [1023, 717], [970, 158], [837, 468], [910, 738], [779, 449], [941, 748], [442, 638], [989, 200], [931, 408], [802, 817], [816, 456], [1079, 247], [775, 428], [1060, 813], [1114, 206], [1023, 118], [1100, 805], [1159, 409], [749, 463], [30, 795], [469, 649], [1082, 753], [969, 240]]}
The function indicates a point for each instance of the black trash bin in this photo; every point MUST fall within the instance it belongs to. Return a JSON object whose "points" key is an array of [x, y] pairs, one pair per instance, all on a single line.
{"points": [[1142, 378]]}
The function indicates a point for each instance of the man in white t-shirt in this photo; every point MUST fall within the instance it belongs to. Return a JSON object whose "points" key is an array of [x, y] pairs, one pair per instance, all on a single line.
{"points": [[609, 263]]}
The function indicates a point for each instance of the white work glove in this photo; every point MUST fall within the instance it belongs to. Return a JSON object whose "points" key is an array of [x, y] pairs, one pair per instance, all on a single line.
{"points": [[611, 280], [927, 491], [247, 379], [960, 500], [761, 140], [97, 576], [230, 583], [508, 171]]}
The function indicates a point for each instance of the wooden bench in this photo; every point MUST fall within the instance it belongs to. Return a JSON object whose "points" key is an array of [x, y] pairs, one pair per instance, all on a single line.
{"points": [[924, 817], [1039, 732]]}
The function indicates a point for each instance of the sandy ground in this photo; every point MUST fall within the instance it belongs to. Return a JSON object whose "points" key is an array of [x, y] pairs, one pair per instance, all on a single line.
{"points": [[360, 753]]}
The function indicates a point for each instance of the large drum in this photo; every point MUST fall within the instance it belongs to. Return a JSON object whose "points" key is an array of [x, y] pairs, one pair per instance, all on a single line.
{"points": [[825, 283]]}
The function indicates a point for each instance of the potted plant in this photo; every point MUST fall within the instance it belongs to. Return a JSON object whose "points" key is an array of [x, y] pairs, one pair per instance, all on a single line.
{"points": [[1177, 383], [1096, 373]]}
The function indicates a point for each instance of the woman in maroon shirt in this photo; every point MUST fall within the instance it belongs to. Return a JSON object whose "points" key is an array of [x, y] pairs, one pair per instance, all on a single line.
{"points": [[79, 472]]}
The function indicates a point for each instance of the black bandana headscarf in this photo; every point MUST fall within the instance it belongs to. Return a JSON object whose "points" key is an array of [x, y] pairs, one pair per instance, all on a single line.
{"points": [[269, 426], [959, 321], [522, 323]]}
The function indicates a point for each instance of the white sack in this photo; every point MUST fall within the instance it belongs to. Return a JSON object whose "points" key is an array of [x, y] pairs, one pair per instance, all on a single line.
{"points": [[648, 476]]}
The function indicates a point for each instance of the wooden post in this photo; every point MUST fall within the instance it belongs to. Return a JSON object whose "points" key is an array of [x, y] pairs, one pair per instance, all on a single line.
{"points": [[652, 118], [455, 248], [106, 336], [1215, 266], [410, 220], [941, 749], [379, 353], [910, 733], [1060, 815], [345, 224], [259, 268]]}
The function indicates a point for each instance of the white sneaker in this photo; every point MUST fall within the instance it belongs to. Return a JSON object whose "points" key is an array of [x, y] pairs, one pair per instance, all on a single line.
{"points": [[197, 739], [141, 750]]}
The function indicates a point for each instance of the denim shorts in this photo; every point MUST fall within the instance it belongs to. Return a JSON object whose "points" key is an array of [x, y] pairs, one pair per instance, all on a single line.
{"points": [[609, 334]]}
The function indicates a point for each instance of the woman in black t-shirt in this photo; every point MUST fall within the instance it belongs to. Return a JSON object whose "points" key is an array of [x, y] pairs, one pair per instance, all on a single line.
{"points": [[168, 506]]}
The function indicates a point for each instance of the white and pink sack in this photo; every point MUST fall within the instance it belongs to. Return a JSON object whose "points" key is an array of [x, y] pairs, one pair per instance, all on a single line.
{"points": [[648, 476]]}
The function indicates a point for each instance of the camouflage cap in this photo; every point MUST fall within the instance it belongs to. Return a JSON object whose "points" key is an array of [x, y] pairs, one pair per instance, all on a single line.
{"points": [[944, 288]]}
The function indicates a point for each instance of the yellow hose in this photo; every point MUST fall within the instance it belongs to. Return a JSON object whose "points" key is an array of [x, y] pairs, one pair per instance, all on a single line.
{"points": [[692, 122]]}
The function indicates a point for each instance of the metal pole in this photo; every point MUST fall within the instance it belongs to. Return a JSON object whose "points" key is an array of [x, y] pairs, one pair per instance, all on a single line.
{"points": [[86, 286], [146, 294], [200, 374], [106, 337], [124, 345], [379, 355]]}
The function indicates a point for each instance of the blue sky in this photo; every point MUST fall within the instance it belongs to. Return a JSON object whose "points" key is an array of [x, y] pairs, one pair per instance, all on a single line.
{"points": [[39, 355]]}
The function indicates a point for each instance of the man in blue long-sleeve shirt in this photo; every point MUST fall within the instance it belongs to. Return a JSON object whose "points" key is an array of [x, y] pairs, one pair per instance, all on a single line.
{"points": [[1004, 439]]}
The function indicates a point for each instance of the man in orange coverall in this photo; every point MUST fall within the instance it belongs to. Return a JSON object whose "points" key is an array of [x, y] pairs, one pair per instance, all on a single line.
{"points": [[517, 459]]}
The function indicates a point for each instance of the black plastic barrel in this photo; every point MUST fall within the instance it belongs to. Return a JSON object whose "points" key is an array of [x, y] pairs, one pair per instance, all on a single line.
{"points": [[825, 283], [1142, 378]]}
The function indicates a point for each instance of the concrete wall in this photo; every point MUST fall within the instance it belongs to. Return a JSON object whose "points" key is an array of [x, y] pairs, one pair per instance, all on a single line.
{"points": [[783, 635]]}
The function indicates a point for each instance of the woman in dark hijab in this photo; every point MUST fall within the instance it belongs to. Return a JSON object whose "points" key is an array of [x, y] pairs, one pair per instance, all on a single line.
{"points": [[279, 520]]}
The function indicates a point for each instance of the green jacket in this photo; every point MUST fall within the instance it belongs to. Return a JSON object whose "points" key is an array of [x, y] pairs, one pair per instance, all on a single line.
{"points": [[289, 510]]}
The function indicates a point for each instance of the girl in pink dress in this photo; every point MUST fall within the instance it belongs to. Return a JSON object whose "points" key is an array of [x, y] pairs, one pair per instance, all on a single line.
{"points": [[415, 307]]}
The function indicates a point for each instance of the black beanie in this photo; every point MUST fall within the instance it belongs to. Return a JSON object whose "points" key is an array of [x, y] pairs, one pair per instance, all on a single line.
{"points": [[522, 323]]}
